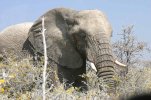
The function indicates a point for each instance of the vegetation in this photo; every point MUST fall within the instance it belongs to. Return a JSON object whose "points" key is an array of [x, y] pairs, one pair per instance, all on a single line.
{"points": [[21, 80], [130, 51]]}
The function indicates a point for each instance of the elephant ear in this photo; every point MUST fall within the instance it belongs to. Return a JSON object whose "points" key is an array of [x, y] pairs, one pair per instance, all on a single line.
{"points": [[59, 46]]}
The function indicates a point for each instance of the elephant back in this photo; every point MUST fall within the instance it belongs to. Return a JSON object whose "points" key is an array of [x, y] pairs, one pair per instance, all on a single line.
{"points": [[13, 37]]}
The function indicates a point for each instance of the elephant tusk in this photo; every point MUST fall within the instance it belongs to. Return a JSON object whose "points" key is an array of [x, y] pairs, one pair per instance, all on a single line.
{"points": [[92, 65], [118, 63]]}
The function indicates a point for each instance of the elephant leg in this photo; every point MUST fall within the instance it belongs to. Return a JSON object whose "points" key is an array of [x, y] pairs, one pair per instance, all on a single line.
{"points": [[52, 79], [65, 76], [80, 79], [72, 77]]}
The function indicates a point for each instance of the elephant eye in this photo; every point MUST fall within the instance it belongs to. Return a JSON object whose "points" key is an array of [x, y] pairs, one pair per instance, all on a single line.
{"points": [[71, 22], [83, 35]]}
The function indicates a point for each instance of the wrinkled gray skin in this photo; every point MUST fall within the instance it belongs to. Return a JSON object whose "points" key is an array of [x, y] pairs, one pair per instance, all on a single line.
{"points": [[72, 37], [13, 37]]}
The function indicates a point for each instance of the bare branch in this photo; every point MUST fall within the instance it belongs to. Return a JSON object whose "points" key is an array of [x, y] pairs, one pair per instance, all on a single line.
{"points": [[128, 49], [45, 59]]}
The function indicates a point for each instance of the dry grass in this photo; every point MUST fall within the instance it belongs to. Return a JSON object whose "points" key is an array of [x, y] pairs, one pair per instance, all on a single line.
{"points": [[21, 80]]}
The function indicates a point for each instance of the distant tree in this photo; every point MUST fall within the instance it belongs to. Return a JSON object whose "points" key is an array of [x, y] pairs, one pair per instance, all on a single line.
{"points": [[127, 48]]}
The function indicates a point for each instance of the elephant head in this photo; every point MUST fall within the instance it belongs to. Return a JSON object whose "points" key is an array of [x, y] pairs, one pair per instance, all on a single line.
{"points": [[72, 37]]}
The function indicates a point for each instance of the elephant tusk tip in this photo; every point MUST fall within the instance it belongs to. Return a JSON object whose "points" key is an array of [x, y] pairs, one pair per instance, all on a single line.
{"points": [[93, 67], [118, 63]]}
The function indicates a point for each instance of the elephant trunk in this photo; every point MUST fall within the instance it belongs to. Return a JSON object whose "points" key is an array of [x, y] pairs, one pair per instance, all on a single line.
{"points": [[105, 65], [104, 61]]}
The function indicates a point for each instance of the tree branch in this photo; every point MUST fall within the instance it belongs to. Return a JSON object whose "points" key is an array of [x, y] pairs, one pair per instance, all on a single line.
{"points": [[45, 59]]}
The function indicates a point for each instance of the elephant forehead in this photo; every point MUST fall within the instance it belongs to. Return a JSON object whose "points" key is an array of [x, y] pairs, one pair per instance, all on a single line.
{"points": [[90, 14], [94, 21]]}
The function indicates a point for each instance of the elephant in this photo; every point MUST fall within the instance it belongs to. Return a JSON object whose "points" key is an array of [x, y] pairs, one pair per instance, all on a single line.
{"points": [[13, 37], [72, 38]]}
